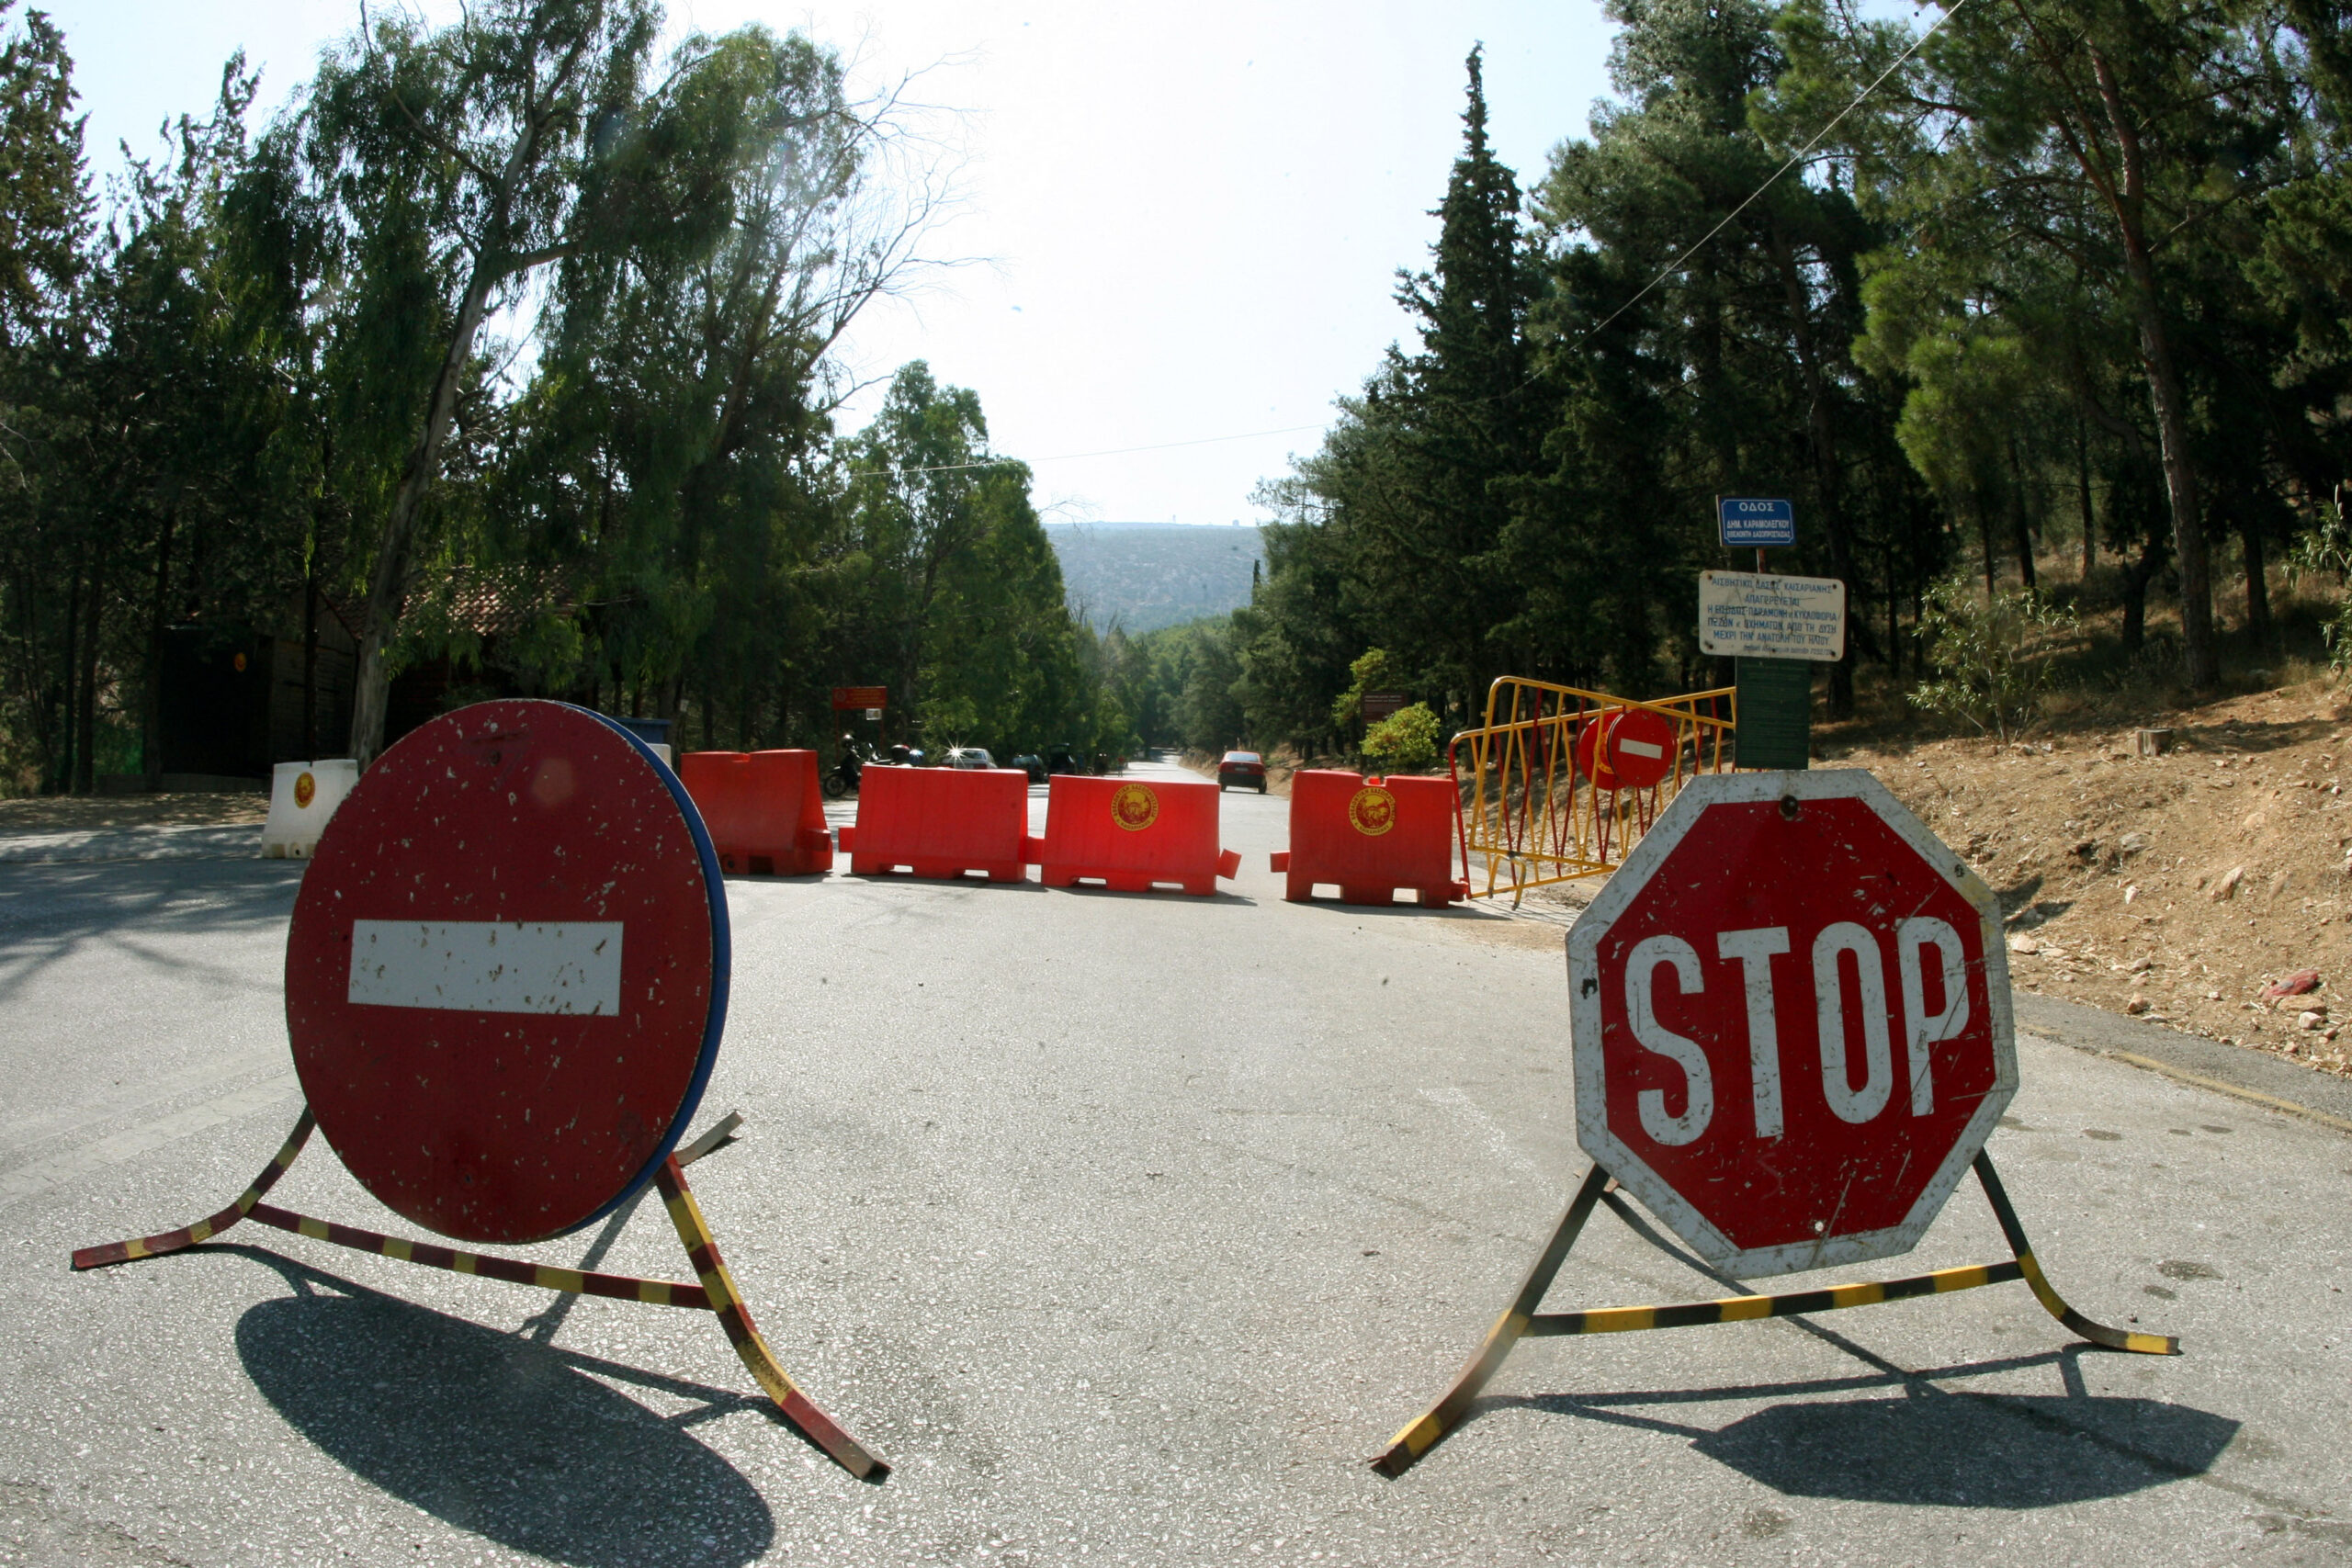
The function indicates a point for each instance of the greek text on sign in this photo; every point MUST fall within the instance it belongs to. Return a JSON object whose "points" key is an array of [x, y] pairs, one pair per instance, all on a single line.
{"points": [[488, 965], [1744, 521], [1744, 615]]}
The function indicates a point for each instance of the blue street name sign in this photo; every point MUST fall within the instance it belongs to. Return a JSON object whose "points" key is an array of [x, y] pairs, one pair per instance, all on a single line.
{"points": [[1750, 521]]}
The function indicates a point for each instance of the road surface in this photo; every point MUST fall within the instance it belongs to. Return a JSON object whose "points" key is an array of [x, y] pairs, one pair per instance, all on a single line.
{"points": [[1128, 1227]]}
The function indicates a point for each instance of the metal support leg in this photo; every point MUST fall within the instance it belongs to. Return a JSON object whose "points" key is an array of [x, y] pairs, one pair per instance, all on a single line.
{"points": [[1422, 1435], [2096, 1333], [686, 1214]]}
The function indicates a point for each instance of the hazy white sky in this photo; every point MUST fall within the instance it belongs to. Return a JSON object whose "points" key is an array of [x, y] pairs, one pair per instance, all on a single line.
{"points": [[1184, 220]]}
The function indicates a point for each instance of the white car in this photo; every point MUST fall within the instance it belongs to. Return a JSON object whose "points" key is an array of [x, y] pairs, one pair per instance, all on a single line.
{"points": [[969, 757]]}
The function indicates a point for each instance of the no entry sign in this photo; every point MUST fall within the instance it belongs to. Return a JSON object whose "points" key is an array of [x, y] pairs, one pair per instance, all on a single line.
{"points": [[506, 975], [1791, 1020]]}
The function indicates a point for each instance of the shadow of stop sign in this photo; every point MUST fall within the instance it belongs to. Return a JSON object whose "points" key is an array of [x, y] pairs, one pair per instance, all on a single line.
{"points": [[1790, 1014], [506, 975]]}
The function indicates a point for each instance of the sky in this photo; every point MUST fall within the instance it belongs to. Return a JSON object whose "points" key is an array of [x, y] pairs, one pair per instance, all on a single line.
{"points": [[1174, 227]]}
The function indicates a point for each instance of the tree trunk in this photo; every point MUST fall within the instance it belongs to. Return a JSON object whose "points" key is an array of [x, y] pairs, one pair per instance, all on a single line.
{"points": [[2166, 396], [158, 612], [1984, 539], [2020, 531], [388, 585], [2257, 587], [2083, 496], [85, 761], [2135, 594], [1821, 438], [62, 778]]}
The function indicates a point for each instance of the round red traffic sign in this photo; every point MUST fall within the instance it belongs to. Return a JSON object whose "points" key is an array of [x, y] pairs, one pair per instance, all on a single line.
{"points": [[1791, 1010], [1627, 749], [506, 976]]}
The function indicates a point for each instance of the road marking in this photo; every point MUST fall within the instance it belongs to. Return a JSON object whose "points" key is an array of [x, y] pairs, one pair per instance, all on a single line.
{"points": [[45, 1176], [488, 965]]}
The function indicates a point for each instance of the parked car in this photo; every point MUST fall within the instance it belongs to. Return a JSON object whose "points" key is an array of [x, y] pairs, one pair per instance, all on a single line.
{"points": [[968, 756], [1031, 763], [1241, 769], [1062, 758]]}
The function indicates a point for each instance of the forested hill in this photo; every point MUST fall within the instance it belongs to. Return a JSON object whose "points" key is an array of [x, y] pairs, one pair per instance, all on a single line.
{"points": [[1143, 576]]}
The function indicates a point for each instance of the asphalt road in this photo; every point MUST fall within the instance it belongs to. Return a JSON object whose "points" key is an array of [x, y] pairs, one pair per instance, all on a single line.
{"points": [[1127, 1227]]}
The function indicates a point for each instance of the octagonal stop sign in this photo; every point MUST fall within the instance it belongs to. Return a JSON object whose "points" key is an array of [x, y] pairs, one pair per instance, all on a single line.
{"points": [[1791, 1010]]}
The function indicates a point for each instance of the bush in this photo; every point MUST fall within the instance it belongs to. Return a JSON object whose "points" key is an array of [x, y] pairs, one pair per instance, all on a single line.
{"points": [[1405, 739], [1989, 667], [2327, 549]]}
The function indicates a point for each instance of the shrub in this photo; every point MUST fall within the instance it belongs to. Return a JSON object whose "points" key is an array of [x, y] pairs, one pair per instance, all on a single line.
{"points": [[2328, 548], [1405, 739], [1991, 656]]}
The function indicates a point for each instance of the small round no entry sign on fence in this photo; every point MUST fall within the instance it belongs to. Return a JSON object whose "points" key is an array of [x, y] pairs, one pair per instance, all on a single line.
{"points": [[506, 976]]}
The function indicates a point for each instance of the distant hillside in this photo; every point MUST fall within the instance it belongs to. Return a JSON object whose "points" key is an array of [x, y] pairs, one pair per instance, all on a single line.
{"points": [[1143, 576]]}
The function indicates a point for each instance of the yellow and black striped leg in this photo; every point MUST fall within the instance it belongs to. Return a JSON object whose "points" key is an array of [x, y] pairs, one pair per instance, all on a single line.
{"points": [[2096, 1333], [1422, 1435], [719, 1285], [173, 1241]]}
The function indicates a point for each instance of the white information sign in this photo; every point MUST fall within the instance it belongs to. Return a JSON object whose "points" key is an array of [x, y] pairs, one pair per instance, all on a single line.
{"points": [[1746, 614]]}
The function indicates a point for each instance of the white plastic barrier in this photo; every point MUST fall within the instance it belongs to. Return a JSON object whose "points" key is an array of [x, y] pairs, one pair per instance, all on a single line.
{"points": [[302, 795]]}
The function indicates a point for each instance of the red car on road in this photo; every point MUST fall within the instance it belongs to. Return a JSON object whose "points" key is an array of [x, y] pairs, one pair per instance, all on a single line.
{"points": [[1241, 769]]}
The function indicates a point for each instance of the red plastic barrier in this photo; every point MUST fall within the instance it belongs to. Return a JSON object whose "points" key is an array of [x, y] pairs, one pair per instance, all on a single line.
{"points": [[941, 822], [1371, 836], [1131, 837], [763, 809]]}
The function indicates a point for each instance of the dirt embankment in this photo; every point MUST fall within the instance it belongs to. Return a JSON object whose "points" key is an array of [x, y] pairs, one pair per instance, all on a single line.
{"points": [[2178, 887]]}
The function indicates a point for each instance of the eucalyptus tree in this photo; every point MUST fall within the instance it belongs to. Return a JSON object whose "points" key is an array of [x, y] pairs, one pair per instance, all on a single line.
{"points": [[682, 404], [457, 162]]}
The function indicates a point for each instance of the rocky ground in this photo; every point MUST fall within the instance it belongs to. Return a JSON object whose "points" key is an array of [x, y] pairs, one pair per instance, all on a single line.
{"points": [[2179, 887]]}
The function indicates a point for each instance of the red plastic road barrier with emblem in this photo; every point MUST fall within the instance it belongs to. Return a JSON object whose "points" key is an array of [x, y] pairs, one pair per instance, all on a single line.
{"points": [[764, 810], [942, 822], [1791, 1022], [1627, 749], [1133, 835], [505, 977], [1370, 837]]}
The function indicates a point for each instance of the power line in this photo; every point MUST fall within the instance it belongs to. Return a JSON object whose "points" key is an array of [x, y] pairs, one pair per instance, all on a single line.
{"points": [[1795, 158], [1663, 273]]}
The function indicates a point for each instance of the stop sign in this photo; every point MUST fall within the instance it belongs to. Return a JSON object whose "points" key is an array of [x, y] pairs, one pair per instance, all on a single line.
{"points": [[1790, 1012]]}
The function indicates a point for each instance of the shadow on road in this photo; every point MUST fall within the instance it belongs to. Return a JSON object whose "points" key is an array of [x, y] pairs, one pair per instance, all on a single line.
{"points": [[502, 1436], [1932, 1445], [1972, 1451]]}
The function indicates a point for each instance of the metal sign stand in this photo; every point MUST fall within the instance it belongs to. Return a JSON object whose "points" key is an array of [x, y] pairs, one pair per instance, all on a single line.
{"points": [[716, 1293], [1522, 1321]]}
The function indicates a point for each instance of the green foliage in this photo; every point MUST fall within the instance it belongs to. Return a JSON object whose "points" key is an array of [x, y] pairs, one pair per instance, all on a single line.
{"points": [[1405, 739], [1375, 671], [1992, 658], [2326, 550]]}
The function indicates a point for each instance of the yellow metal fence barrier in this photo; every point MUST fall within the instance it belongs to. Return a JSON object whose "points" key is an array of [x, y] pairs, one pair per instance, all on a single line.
{"points": [[1536, 808]]}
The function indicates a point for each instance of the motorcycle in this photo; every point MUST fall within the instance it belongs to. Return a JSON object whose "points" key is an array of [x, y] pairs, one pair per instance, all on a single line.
{"points": [[842, 780]]}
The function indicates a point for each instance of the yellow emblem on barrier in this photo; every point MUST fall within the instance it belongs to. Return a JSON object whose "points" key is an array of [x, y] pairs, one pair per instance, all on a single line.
{"points": [[1134, 806], [306, 788], [1372, 811]]}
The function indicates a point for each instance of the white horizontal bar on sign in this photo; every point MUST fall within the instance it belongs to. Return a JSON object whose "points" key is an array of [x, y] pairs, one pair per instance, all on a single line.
{"points": [[1649, 749], [488, 965]]}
